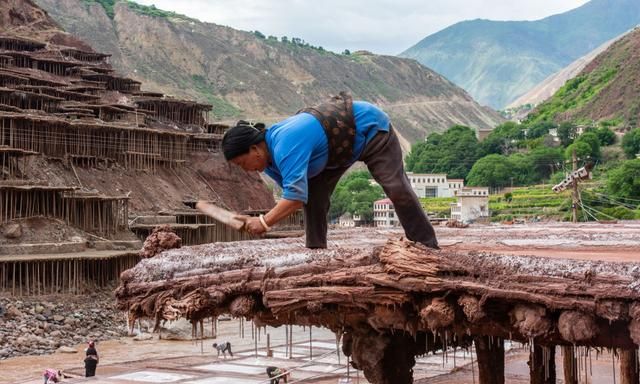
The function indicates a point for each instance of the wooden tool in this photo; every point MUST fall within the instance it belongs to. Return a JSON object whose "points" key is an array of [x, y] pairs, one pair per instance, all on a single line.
{"points": [[220, 214]]}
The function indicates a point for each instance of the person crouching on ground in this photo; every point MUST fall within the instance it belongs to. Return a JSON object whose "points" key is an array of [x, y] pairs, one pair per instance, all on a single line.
{"points": [[306, 154], [224, 348], [52, 376], [275, 374], [91, 360]]}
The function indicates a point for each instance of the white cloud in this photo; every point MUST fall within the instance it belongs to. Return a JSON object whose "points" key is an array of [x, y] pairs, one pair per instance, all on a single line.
{"points": [[381, 26]]}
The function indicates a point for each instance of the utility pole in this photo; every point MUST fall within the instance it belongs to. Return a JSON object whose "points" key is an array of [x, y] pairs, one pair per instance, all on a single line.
{"points": [[574, 207]]}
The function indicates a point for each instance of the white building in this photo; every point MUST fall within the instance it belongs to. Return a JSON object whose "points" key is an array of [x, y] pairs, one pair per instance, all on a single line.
{"points": [[434, 184], [384, 215], [472, 205], [348, 220]]}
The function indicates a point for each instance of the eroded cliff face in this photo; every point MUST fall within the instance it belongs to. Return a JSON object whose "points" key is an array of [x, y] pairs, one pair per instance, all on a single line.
{"points": [[245, 76]]}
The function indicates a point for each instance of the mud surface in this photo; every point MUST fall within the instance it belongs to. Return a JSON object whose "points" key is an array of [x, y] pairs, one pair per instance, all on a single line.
{"points": [[161, 239]]}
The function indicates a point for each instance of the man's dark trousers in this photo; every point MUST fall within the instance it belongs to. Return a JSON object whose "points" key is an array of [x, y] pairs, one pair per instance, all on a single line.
{"points": [[383, 157]]}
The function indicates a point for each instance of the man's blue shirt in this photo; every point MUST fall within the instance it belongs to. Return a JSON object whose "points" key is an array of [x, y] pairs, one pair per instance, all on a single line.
{"points": [[299, 148]]}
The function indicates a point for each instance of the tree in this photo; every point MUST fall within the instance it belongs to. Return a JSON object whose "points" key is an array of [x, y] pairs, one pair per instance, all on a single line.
{"points": [[355, 194], [453, 152], [502, 139], [523, 171], [624, 181], [583, 150], [605, 136], [540, 129], [491, 171], [631, 143], [259, 34], [567, 133], [545, 161], [346, 52], [284, 39], [592, 139]]}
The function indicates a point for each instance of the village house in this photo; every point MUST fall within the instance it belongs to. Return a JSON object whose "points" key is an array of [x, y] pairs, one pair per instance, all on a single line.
{"points": [[384, 215], [349, 221], [472, 204], [434, 184]]}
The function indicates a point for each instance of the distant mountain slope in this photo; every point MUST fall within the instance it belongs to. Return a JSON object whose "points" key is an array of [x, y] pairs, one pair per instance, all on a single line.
{"points": [[244, 75], [608, 88], [551, 84], [497, 61]]}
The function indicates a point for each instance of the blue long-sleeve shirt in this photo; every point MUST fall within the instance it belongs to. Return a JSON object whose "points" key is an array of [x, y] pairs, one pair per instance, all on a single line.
{"points": [[299, 148]]}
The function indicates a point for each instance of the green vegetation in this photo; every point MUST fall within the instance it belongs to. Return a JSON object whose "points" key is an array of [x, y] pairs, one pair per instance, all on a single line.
{"points": [[151, 10], [624, 181], [525, 203], [295, 43], [147, 10], [453, 152], [506, 157], [574, 94], [355, 194], [221, 107], [108, 6], [525, 154], [631, 143]]}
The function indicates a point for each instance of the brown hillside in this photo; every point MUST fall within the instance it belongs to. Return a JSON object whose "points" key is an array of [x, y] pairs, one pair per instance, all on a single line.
{"points": [[615, 77], [81, 144], [246, 76]]}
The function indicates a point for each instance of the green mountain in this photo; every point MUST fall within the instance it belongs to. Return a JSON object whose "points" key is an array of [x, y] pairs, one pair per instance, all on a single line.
{"points": [[607, 89], [248, 75], [497, 61]]}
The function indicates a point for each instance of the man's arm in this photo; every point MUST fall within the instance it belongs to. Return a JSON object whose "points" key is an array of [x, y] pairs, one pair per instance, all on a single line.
{"points": [[283, 209]]}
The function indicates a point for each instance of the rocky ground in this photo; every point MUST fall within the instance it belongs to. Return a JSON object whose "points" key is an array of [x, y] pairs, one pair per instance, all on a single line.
{"points": [[45, 324]]}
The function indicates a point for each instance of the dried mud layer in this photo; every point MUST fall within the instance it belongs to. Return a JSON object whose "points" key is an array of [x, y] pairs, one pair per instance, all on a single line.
{"points": [[392, 300]]}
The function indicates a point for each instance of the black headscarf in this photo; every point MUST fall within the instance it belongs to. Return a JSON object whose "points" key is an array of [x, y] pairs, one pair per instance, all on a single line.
{"points": [[238, 140]]}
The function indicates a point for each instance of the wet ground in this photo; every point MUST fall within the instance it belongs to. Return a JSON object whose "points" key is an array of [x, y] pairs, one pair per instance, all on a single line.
{"points": [[127, 361]]}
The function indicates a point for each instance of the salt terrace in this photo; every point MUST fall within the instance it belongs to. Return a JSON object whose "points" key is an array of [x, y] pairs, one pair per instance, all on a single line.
{"points": [[390, 300]]}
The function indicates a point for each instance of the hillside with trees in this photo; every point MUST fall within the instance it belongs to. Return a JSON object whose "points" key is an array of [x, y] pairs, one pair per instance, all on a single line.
{"points": [[606, 90]]}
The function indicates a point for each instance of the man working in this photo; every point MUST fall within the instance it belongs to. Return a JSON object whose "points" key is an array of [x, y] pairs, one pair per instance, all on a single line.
{"points": [[223, 347], [306, 154]]}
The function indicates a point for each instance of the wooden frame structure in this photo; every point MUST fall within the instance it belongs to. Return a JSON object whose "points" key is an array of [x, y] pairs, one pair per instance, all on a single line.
{"points": [[58, 274]]}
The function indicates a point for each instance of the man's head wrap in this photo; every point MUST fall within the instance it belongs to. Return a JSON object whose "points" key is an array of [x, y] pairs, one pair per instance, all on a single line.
{"points": [[238, 140]]}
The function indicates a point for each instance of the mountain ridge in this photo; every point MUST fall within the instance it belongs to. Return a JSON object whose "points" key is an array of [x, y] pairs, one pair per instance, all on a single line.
{"points": [[245, 76], [497, 61]]}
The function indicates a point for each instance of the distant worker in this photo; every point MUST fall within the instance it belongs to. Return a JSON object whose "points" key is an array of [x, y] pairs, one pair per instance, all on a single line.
{"points": [[275, 374], [306, 154], [91, 360], [224, 348], [52, 376]]}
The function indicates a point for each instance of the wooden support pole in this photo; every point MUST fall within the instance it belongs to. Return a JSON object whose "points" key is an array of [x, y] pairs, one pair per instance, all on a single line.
{"points": [[490, 357], [542, 365], [569, 365], [629, 366]]}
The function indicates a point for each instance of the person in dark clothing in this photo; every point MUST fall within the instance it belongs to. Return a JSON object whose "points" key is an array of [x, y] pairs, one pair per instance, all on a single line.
{"points": [[275, 374], [91, 360], [306, 154], [224, 348]]}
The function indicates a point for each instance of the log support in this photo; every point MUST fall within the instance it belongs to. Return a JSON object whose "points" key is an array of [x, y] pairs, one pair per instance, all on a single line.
{"points": [[490, 356], [385, 358], [569, 365], [629, 366], [542, 365]]}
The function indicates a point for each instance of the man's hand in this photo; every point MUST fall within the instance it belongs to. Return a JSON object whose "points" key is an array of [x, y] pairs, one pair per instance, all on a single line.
{"points": [[252, 225]]}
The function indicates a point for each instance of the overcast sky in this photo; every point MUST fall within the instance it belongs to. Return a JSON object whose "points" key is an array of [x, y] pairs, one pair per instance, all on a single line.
{"points": [[380, 26]]}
